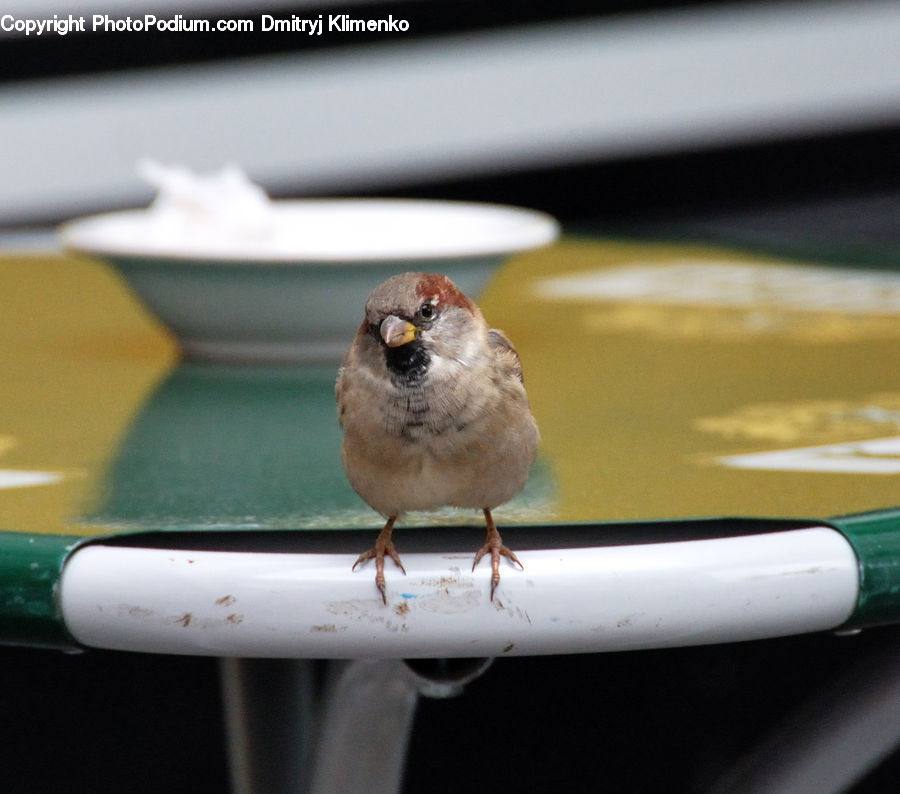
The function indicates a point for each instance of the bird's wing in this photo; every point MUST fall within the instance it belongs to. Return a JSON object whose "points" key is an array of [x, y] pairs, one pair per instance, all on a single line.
{"points": [[505, 352]]}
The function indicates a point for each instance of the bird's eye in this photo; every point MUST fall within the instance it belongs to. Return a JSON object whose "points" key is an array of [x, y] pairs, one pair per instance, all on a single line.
{"points": [[426, 311]]}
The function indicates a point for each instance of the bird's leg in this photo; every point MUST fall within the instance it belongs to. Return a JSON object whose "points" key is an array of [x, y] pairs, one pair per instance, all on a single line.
{"points": [[494, 544], [383, 545]]}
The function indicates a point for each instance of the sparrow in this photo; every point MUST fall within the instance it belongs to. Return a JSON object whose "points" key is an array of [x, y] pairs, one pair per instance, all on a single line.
{"points": [[434, 413]]}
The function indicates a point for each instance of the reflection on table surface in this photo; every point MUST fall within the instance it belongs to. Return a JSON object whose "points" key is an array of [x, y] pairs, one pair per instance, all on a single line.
{"points": [[668, 381]]}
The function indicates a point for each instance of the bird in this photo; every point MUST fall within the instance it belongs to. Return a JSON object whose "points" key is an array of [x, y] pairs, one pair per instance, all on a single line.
{"points": [[434, 413]]}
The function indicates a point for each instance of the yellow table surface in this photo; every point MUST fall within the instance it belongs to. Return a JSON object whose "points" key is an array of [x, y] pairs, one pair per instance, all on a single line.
{"points": [[649, 367]]}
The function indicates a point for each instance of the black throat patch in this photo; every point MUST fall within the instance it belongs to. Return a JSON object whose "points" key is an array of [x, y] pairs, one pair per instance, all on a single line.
{"points": [[407, 363]]}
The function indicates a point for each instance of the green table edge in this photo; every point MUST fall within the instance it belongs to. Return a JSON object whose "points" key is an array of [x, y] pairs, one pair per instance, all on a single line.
{"points": [[30, 570], [875, 538]]}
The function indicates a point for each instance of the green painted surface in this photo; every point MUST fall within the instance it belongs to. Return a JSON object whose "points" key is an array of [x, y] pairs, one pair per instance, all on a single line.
{"points": [[229, 447], [220, 447], [30, 566], [875, 538]]}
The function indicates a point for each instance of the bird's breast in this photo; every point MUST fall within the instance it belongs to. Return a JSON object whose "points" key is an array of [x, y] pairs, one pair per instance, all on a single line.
{"points": [[415, 414]]}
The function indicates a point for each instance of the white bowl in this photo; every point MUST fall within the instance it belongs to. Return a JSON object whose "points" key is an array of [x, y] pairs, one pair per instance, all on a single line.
{"points": [[291, 286]]}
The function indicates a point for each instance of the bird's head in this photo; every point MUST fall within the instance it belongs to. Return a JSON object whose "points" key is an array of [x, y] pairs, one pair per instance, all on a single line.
{"points": [[419, 317]]}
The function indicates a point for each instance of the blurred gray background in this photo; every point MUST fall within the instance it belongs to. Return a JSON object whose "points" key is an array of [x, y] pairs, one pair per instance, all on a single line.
{"points": [[592, 109]]}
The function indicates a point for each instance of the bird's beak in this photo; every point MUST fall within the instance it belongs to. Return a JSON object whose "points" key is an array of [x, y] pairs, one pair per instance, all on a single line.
{"points": [[396, 331]]}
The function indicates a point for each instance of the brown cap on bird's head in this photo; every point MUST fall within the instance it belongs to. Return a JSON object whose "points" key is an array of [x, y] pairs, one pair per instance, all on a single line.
{"points": [[400, 306]]}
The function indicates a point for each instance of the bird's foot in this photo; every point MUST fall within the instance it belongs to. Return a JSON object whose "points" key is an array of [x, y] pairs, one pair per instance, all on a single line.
{"points": [[384, 546], [493, 544]]}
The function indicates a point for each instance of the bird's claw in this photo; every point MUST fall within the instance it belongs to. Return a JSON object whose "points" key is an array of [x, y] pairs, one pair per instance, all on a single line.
{"points": [[497, 550], [378, 553]]}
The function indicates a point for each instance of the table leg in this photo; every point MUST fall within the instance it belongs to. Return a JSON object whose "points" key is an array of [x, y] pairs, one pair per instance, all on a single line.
{"points": [[348, 734], [270, 713]]}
